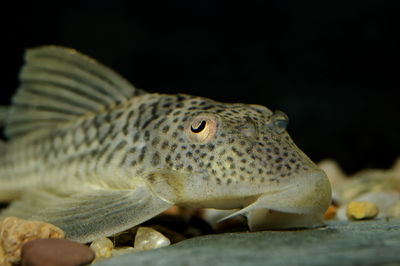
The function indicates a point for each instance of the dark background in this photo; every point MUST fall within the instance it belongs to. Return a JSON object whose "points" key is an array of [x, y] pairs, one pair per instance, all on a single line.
{"points": [[332, 66]]}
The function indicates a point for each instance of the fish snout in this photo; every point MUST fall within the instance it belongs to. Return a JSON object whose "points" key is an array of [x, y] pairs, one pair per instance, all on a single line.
{"points": [[310, 193], [317, 194], [301, 204]]}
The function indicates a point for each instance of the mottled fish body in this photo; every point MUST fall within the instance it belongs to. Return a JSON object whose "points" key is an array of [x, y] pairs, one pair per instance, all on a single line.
{"points": [[94, 155]]}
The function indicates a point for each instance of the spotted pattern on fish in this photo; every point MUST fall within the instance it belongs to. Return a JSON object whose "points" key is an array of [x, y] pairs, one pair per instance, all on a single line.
{"points": [[264, 156]]}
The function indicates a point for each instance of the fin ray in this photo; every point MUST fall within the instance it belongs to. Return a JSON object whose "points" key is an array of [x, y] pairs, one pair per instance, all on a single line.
{"points": [[74, 99], [58, 83], [64, 82], [88, 215], [87, 68]]}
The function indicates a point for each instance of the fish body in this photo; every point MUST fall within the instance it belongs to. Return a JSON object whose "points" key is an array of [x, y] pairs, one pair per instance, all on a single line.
{"points": [[94, 155]]}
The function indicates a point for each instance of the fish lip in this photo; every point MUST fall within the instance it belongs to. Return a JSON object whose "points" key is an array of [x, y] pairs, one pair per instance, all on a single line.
{"points": [[311, 194], [262, 219]]}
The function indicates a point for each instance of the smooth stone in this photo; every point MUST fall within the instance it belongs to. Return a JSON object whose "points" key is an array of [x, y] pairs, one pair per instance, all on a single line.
{"points": [[361, 210], [102, 247], [147, 238], [51, 252], [369, 242]]}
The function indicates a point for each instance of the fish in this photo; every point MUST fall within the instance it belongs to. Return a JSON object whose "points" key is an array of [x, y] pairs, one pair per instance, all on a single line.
{"points": [[94, 155]]}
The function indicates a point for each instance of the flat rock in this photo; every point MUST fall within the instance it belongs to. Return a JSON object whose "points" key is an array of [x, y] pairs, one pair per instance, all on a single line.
{"points": [[371, 242]]}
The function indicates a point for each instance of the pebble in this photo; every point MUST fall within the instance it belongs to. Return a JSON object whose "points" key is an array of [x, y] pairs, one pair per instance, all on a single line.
{"points": [[123, 251], [102, 247], [361, 210], [386, 201], [147, 238], [51, 252], [378, 186], [14, 232], [330, 212]]}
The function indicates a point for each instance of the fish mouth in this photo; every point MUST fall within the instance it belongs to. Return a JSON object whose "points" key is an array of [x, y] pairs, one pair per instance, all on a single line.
{"points": [[300, 205]]}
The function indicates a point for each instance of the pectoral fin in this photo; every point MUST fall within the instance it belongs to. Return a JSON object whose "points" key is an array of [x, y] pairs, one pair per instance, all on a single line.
{"points": [[90, 215]]}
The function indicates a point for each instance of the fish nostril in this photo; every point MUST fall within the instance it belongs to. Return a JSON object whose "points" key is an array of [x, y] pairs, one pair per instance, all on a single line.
{"points": [[279, 121], [249, 128], [248, 131]]}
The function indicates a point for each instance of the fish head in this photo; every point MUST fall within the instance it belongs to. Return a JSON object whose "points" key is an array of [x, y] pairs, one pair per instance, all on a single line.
{"points": [[229, 156]]}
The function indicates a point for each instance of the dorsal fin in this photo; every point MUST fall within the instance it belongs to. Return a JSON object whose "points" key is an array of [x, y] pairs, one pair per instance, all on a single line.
{"points": [[59, 84]]}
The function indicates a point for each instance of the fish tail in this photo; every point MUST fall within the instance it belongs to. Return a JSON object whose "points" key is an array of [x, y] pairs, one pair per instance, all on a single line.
{"points": [[4, 194], [9, 190], [3, 115], [3, 145]]}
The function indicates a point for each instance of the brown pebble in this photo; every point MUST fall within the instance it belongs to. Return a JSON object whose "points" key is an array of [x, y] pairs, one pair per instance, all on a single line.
{"points": [[55, 252], [330, 212]]}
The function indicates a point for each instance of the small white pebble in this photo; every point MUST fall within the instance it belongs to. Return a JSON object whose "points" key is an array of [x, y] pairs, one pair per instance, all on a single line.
{"points": [[148, 238], [102, 247]]}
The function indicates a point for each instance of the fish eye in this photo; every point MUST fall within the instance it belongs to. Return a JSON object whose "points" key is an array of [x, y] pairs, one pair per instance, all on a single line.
{"points": [[201, 129], [280, 121]]}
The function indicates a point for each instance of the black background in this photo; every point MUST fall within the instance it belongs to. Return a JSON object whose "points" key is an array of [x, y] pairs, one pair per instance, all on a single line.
{"points": [[332, 66]]}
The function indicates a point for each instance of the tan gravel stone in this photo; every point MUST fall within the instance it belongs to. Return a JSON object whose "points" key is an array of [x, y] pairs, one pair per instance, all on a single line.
{"points": [[359, 210], [14, 232], [102, 247]]}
